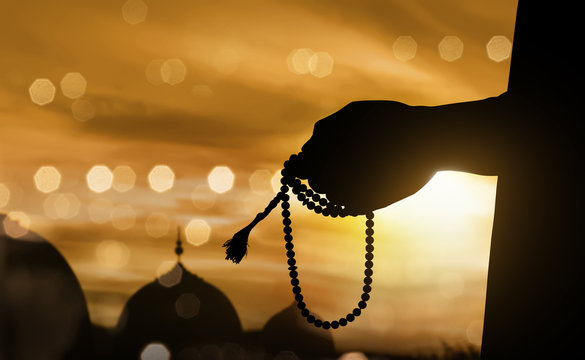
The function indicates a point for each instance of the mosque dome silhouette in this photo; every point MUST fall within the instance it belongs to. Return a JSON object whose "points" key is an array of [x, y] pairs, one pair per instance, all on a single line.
{"points": [[43, 313], [179, 310], [288, 330]]}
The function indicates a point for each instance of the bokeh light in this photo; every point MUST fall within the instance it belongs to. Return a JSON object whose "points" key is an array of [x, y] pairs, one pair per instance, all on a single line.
{"points": [[155, 351], [99, 178], [47, 179], [451, 48], [187, 306], [203, 197], [161, 178], [321, 64], [173, 71], [474, 332], [275, 181], [134, 11], [356, 355], [298, 61], [61, 206], [197, 232], [260, 182], [499, 48], [16, 224], [42, 91], [100, 210], [221, 179], [404, 48], [123, 216], [157, 224], [73, 85], [124, 178], [169, 273], [4, 195], [153, 72], [112, 254], [82, 110]]}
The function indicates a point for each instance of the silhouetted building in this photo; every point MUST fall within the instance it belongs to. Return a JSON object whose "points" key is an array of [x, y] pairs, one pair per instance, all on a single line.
{"points": [[179, 310], [288, 330], [43, 313]]}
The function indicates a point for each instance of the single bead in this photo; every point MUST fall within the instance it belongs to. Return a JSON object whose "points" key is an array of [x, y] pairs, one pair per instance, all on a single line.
{"points": [[334, 210], [343, 321], [369, 240], [326, 325], [369, 215], [316, 197], [296, 190], [362, 304], [290, 254], [301, 305], [323, 202], [284, 189], [309, 193], [301, 197], [310, 319], [311, 205], [369, 256], [289, 246], [296, 289], [298, 297], [369, 232], [283, 180], [350, 317], [325, 212], [285, 205], [369, 264], [285, 197], [357, 312], [292, 268], [369, 223], [285, 213], [292, 262], [334, 324], [367, 280], [294, 282], [296, 182], [367, 272], [365, 297], [293, 274], [305, 312], [288, 237], [287, 230], [318, 323], [286, 221], [318, 209], [303, 188], [367, 288], [369, 248]]}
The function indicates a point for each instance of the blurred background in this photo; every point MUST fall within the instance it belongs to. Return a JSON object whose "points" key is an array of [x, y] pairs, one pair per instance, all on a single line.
{"points": [[124, 121]]}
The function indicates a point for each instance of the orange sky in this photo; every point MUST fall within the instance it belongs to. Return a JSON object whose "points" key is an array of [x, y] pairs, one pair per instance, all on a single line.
{"points": [[240, 104]]}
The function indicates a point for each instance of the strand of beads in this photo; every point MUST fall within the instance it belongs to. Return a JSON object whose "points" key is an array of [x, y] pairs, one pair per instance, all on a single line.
{"points": [[293, 273]]}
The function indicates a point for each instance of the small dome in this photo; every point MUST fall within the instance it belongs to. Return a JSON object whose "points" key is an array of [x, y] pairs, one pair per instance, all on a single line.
{"points": [[288, 330], [179, 310], [43, 313]]}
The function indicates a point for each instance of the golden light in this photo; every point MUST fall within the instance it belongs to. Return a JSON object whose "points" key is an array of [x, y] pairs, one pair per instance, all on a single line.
{"points": [[47, 179], [260, 182], [155, 351], [134, 11], [82, 110], [404, 48], [157, 224], [499, 48], [353, 356], [227, 61], [4, 195], [203, 197], [173, 71], [169, 273], [451, 48], [112, 254], [153, 72], [161, 178], [474, 332], [100, 210], [123, 217], [124, 178], [16, 224], [197, 232], [321, 64], [298, 61], [187, 306], [451, 285], [275, 181], [61, 206], [73, 85], [99, 178], [42, 91], [221, 179], [202, 91]]}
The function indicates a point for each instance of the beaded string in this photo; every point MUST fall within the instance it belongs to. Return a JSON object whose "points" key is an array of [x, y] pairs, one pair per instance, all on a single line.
{"points": [[321, 205]]}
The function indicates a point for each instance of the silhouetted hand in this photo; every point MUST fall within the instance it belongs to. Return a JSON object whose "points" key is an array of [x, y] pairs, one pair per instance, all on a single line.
{"points": [[371, 154]]}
